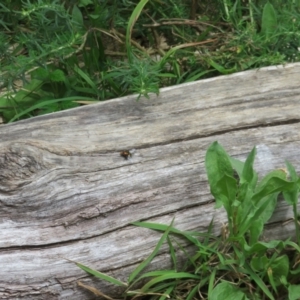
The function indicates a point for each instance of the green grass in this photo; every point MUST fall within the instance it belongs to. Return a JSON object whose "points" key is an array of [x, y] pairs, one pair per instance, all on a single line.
{"points": [[52, 52], [237, 264]]}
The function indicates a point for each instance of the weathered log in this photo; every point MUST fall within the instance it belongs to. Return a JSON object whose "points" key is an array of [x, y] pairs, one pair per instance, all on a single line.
{"points": [[66, 193]]}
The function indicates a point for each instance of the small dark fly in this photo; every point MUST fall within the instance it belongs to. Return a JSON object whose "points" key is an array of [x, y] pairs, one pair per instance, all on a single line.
{"points": [[125, 154]]}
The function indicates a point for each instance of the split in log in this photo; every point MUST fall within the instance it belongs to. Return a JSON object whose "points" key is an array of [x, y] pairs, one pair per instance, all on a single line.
{"points": [[66, 193]]}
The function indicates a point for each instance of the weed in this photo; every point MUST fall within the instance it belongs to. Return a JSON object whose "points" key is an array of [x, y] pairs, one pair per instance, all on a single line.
{"points": [[237, 264]]}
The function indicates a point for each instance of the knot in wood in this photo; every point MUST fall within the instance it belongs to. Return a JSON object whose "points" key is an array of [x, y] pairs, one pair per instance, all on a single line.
{"points": [[19, 164]]}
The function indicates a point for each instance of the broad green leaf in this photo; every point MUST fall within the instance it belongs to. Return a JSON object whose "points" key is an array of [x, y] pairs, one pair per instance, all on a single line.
{"points": [[261, 247], [248, 181], [237, 165], [273, 185], [219, 172], [225, 191], [284, 281], [77, 16], [278, 173], [244, 196], [259, 263], [255, 230], [95, 16], [269, 20], [292, 171], [293, 245], [249, 175], [40, 74], [294, 291], [85, 2], [57, 76], [228, 187], [291, 197], [29, 92], [279, 267], [226, 290], [217, 163], [269, 210], [260, 210], [257, 225]]}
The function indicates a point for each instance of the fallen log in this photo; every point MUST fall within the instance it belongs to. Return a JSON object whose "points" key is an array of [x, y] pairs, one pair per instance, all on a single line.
{"points": [[67, 193]]}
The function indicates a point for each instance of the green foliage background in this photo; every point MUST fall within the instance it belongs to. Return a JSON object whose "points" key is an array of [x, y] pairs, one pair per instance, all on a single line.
{"points": [[58, 54]]}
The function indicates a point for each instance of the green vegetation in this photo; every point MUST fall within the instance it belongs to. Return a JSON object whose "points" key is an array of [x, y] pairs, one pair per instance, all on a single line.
{"points": [[237, 265], [58, 54]]}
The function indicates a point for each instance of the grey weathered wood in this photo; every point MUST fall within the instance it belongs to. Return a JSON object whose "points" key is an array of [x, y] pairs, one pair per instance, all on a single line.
{"points": [[65, 192]]}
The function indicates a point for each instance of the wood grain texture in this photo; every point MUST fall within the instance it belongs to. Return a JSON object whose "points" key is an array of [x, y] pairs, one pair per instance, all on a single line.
{"points": [[65, 191]]}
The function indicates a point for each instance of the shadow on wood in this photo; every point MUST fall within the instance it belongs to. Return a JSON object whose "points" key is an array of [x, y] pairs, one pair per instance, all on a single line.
{"points": [[65, 191]]}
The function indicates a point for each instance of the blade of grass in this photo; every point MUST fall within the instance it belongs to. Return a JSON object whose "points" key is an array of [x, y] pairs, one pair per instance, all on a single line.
{"points": [[133, 18], [45, 103], [211, 283], [151, 256], [189, 259], [220, 68], [164, 289], [168, 276], [193, 292], [167, 292], [196, 75], [101, 275], [86, 78], [172, 253], [188, 235], [259, 282], [151, 274], [94, 290]]}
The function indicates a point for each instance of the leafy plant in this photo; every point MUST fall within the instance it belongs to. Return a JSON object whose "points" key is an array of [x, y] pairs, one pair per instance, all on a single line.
{"points": [[237, 264]]}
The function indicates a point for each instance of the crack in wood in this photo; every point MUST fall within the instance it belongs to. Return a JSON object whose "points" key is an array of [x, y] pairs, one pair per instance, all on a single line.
{"points": [[220, 132]]}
